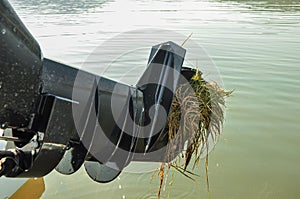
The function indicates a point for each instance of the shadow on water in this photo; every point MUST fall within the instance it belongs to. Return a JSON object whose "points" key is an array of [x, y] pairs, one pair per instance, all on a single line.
{"points": [[62, 6], [269, 5]]}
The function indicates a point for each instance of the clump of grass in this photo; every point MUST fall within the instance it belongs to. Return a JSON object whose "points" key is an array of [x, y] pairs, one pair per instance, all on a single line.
{"points": [[195, 121]]}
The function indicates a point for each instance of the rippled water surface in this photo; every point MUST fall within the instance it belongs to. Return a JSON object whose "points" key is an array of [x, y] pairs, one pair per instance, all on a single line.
{"points": [[256, 47]]}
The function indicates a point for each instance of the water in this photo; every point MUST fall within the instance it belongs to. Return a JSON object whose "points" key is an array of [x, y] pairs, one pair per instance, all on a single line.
{"points": [[255, 45]]}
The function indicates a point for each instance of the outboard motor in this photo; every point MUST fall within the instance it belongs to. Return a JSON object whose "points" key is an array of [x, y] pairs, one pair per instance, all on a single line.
{"points": [[59, 117]]}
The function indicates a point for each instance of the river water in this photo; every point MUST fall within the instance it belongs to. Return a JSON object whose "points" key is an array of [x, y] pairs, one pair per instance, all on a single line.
{"points": [[255, 46]]}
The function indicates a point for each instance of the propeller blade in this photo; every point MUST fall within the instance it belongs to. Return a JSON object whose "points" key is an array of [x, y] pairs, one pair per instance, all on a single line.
{"points": [[100, 172]]}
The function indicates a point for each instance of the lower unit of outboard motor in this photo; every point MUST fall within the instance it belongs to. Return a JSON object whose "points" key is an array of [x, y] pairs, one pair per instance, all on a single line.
{"points": [[58, 117]]}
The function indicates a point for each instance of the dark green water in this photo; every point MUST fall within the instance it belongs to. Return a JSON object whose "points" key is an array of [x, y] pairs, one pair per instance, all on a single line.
{"points": [[256, 47]]}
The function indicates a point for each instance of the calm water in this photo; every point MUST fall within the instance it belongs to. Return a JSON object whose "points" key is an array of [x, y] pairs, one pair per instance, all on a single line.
{"points": [[256, 46]]}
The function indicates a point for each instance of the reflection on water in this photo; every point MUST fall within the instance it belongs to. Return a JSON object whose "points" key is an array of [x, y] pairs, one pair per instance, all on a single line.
{"points": [[62, 6], [255, 45], [270, 5]]}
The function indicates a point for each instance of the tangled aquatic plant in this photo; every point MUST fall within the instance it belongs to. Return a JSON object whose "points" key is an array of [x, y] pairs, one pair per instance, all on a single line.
{"points": [[195, 120]]}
